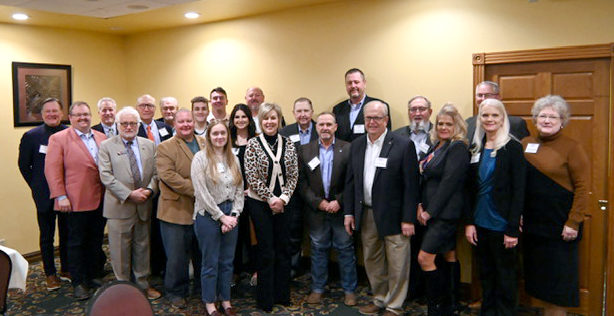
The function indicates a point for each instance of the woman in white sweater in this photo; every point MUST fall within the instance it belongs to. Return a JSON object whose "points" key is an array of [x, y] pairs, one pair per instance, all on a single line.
{"points": [[218, 191]]}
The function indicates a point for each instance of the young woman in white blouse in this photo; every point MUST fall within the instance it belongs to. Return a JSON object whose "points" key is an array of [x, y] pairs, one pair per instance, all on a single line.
{"points": [[218, 189]]}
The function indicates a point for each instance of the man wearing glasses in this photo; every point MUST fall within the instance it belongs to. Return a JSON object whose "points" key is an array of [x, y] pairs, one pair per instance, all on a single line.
{"points": [[128, 199], [490, 90], [419, 110], [153, 130]]}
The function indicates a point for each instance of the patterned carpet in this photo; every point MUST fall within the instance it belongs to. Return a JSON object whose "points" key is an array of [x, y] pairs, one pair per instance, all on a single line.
{"points": [[38, 301]]}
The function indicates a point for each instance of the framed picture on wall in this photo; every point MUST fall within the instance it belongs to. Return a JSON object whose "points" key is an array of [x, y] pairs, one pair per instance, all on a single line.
{"points": [[32, 84]]}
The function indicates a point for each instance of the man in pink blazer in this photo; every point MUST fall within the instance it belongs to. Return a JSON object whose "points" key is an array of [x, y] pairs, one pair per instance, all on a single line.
{"points": [[71, 169]]}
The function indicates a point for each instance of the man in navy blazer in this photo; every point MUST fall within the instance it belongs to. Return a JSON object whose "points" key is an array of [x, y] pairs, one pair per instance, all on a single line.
{"points": [[32, 152], [490, 90], [153, 130], [349, 113], [381, 199], [300, 133]]}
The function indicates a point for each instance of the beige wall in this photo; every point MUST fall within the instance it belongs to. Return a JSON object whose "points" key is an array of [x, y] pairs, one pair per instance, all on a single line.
{"points": [[404, 47]]}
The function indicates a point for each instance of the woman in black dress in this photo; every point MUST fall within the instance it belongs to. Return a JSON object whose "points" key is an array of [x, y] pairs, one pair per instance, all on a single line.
{"points": [[444, 171]]}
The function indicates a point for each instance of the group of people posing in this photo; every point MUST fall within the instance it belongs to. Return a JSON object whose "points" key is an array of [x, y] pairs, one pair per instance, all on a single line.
{"points": [[231, 193]]}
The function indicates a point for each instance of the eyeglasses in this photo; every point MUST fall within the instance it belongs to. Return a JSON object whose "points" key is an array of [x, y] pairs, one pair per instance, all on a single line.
{"points": [[543, 117], [81, 115], [147, 105], [374, 118], [485, 95], [131, 124], [418, 109]]}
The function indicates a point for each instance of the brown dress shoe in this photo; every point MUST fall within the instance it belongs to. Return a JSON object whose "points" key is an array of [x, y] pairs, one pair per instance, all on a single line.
{"points": [[53, 282], [230, 311], [370, 309], [389, 313], [65, 276], [179, 302], [314, 298], [152, 293], [350, 299]]}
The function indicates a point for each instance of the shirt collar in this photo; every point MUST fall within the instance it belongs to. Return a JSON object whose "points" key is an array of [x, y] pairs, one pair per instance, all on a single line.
{"points": [[379, 141], [307, 131], [359, 104], [80, 134], [331, 146]]}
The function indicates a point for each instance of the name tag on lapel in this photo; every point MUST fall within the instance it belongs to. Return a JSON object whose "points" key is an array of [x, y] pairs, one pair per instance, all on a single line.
{"points": [[359, 128], [380, 162], [313, 163], [424, 147], [163, 132], [42, 149], [235, 151], [295, 138], [532, 148], [475, 158]]}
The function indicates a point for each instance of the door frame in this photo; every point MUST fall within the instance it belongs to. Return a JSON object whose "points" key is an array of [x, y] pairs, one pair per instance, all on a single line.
{"points": [[570, 53]]}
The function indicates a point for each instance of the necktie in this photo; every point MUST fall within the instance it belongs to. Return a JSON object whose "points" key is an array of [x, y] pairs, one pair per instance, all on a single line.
{"points": [[110, 133], [134, 167], [150, 134]]}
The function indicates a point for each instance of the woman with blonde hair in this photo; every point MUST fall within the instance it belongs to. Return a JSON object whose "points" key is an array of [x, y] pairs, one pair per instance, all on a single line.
{"points": [[444, 171], [496, 184], [218, 189]]}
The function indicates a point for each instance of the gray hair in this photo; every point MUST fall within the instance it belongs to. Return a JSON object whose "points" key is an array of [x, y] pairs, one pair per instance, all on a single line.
{"points": [[267, 107], [493, 85], [127, 110], [168, 99], [557, 103], [105, 100], [375, 102], [428, 102], [327, 113]]}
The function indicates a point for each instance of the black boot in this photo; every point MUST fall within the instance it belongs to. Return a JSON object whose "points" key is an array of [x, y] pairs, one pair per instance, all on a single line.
{"points": [[451, 304], [434, 292]]}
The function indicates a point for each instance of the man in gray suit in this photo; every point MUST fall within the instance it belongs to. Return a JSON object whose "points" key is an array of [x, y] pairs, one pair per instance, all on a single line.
{"points": [[128, 171]]}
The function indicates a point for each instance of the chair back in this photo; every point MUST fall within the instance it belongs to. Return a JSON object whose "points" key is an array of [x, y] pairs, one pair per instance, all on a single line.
{"points": [[119, 298], [5, 275]]}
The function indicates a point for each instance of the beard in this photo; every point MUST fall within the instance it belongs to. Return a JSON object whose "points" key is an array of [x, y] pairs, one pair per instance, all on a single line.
{"points": [[418, 126]]}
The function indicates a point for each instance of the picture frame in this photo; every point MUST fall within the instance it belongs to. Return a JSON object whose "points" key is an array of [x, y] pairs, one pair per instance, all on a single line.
{"points": [[32, 84]]}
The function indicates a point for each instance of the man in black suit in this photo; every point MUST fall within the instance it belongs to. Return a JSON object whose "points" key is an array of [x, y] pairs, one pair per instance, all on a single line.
{"points": [[32, 152], [254, 96], [156, 132], [323, 165], [300, 133], [168, 108], [106, 111], [153, 130], [349, 113], [490, 90], [419, 111], [381, 199]]}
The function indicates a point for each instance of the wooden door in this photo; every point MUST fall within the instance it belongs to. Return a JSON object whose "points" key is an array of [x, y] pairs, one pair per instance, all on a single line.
{"points": [[585, 84]]}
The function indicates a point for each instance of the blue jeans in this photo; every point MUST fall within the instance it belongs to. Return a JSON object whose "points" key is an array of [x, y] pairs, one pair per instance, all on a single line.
{"points": [[326, 230], [180, 246], [218, 253]]}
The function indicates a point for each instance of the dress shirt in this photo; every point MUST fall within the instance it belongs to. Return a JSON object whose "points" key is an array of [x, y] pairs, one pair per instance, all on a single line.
{"points": [[257, 122], [371, 154], [355, 109], [109, 128], [212, 117], [326, 166], [305, 136], [419, 137], [137, 154], [90, 143], [154, 130]]}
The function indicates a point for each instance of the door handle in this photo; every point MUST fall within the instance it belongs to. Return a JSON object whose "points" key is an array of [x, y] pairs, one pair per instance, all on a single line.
{"points": [[603, 204]]}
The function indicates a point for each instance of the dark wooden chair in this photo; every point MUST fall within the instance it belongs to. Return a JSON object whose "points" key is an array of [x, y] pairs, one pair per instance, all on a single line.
{"points": [[119, 298], [6, 266]]}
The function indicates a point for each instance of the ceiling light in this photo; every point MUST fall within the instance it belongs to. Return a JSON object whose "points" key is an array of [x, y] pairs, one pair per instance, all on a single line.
{"points": [[20, 16], [191, 15]]}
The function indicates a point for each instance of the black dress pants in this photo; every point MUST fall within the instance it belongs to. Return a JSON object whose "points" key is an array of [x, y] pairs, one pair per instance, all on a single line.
{"points": [[46, 225], [85, 233], [498, 274], [272, 232]]}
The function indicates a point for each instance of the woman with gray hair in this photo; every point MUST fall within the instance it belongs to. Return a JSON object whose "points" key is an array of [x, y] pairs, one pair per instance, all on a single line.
{"points": [[555, 203], [271, 169]]}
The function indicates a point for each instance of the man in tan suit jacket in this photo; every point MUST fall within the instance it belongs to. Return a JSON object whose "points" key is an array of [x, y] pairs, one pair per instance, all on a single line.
{"points": [[71, 171], [127, 169], [176, 208]]}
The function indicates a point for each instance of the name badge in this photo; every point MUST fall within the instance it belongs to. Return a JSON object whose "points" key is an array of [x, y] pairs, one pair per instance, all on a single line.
{"points": [[220, 167], [424, 147], [381, 162], [475, 158], [295, 138], [313, 163], [532, 148], [359, 128], [163, 132], [235, 151], [42, 149]]}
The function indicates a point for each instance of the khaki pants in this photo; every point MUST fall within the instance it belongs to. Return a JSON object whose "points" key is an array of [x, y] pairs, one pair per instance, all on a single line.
{"points": [[386, 263], [129, 249]]}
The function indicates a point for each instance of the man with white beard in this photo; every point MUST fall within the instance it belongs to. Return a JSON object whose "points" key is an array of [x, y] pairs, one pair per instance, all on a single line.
{"points": [[419, 110]]}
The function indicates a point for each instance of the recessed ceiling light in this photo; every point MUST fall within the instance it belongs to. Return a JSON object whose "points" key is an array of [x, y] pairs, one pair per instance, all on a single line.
{"points": [[191, 15], [20, 16]]}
